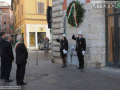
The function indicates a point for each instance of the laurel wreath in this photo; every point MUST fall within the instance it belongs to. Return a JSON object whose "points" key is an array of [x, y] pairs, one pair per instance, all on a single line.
{"points": [[75, 13]]}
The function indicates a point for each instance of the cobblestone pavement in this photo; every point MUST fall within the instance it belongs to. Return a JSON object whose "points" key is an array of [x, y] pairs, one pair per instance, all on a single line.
{"points": [[50, 76]]}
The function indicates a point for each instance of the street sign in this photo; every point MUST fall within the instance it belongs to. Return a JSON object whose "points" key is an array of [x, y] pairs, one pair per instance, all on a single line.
{"points": [[11, 27]]}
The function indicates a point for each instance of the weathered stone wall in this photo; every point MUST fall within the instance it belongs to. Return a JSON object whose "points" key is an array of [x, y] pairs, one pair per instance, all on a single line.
{"points": [[93, 28]]}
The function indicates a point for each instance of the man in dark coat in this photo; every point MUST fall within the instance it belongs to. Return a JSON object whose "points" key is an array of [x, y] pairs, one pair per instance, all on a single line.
{"points": [[7, 57], [80, 48], [21, 60], [2, 40]]}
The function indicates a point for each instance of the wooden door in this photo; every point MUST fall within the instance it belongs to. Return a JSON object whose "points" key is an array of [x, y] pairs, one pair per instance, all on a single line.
{"points": [[110, 39]]}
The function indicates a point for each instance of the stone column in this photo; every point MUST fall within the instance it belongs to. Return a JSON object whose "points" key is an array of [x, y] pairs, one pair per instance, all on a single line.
{"points": [[58, 27]]}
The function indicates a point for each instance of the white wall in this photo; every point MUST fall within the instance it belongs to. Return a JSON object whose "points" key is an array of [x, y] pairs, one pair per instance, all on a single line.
{"points": [[93, 28]]}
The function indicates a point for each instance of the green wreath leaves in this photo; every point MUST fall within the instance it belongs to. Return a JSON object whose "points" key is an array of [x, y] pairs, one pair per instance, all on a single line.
{"points": [[78, 12]]}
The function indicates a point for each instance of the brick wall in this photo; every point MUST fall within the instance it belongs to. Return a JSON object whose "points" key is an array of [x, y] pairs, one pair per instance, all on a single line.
{"points": [[87, 1], [7, 17], [65, 5]]}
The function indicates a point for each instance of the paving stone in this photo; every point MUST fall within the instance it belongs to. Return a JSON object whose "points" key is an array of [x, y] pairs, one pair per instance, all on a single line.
{"points": [[50, 76]]}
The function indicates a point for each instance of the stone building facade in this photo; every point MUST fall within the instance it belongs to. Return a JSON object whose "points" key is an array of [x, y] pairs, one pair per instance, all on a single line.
{"points": [[31, 22], [93, 28], [6, 18]]}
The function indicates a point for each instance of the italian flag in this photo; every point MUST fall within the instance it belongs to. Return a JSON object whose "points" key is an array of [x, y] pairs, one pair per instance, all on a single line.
{"points": [[17, 44]]}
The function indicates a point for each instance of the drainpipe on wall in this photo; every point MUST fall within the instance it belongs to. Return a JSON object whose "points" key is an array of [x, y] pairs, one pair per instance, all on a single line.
{"points": [[65, 24], [9, 22], [52, 46]]}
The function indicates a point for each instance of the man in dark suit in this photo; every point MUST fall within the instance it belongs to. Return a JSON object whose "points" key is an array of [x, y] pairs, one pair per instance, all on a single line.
{"points": [[80, 48], [21, 60], [7, 57], [2, 40]]}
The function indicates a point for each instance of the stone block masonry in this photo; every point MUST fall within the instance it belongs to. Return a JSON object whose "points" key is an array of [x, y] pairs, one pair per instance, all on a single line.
{"points": [[93, 28], [58, 27]]}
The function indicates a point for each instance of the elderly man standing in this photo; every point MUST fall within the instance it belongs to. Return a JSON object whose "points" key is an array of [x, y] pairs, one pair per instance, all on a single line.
{"points": [[2, 40], [21, 60], [7, 57], [80, 48]]}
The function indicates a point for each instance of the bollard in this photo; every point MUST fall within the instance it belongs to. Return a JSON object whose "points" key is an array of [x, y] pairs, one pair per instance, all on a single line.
{"points": [[36, 57], [28, 58]]}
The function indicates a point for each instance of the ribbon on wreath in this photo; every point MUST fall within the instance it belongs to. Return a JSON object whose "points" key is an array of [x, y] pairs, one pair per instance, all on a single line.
{"points": [[70, 12]]}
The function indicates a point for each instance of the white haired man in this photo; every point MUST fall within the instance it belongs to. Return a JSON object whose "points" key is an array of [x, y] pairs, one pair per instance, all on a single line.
{"points": [[21, 60], [7, 57]]}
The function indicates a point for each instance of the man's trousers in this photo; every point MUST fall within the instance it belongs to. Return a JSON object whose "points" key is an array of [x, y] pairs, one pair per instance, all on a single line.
{"points": [[20, 72], [81, 59]]}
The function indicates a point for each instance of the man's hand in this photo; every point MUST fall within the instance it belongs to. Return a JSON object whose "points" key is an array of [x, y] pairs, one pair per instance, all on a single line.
{"points": [[12, 61]]}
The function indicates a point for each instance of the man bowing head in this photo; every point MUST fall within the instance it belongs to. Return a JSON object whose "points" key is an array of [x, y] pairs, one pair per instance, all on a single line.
{"points": [[7, 57]]}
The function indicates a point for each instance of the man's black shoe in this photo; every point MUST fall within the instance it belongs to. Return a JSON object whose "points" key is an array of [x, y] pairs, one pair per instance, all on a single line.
{"points": [[79, 68], [82, 68], [22, 84], [9, 80], [2, 77], [62, 66]]}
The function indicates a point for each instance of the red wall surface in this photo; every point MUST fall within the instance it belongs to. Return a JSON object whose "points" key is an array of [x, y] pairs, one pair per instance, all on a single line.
{"points": [[87, 1], [7, 16], [65, 4]]}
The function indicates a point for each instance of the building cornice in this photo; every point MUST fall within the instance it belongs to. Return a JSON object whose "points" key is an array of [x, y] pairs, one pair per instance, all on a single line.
{"points": [[34, 19], [30, 19], [34, 14], [5, 7]]}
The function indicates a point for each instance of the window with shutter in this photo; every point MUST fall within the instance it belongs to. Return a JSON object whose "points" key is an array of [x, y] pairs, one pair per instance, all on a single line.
{"points": [[40, 8], [15, 6], [18, 1], [4, 23], [18, 14], [22, 9]]}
